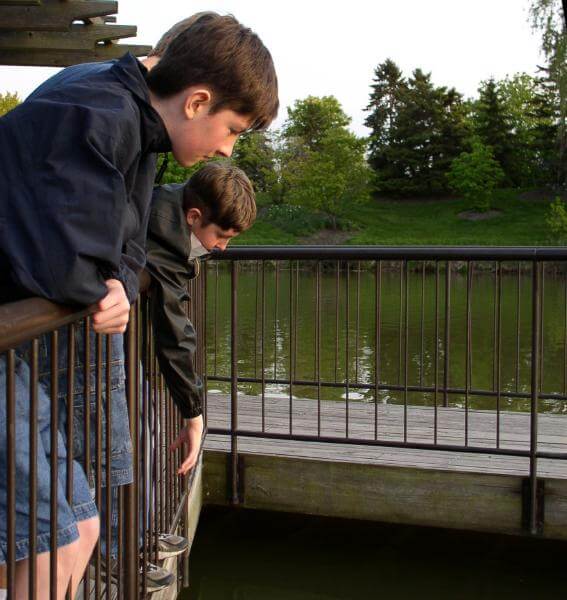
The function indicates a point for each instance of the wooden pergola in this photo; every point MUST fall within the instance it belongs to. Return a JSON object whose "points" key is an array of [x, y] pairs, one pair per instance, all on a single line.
{"points": [[58, 33]]}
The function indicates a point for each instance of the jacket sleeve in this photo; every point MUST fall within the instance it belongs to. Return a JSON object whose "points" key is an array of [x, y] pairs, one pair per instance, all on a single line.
{"points": [[70, 211], [175, 337]]}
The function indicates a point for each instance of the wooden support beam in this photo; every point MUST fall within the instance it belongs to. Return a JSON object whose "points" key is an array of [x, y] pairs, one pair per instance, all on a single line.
{"points": [[53, 16], [64, 58], [78, 37]]}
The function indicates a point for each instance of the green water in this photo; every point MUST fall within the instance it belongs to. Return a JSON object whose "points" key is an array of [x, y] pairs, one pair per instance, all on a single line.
{"points": [[248, 555], [280, 320]]}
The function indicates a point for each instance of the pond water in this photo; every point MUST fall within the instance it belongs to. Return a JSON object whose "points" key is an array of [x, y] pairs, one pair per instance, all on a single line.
{"points": [[249, 555], [410, 334]]}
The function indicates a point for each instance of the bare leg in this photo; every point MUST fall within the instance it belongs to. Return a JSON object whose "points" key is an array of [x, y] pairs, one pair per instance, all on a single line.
{"points": [[88, 530], [66, 559]]}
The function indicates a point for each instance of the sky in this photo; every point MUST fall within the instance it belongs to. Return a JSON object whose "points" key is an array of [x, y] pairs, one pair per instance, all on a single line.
{"points": [[330, 48]]}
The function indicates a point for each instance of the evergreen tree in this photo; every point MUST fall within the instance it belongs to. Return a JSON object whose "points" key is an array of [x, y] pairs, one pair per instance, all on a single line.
{"points": [[493, 127], [385, 99], [550, 18]]}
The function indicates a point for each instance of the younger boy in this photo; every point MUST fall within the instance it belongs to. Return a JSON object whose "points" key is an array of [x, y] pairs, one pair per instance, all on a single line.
{"points": [[187, 221]]}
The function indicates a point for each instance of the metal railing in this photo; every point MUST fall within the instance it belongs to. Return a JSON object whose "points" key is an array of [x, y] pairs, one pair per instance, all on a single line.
{"points": [[81, 364], [306, 342]]}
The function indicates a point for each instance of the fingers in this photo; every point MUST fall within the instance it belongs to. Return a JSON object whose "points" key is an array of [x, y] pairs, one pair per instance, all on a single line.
{"points": [[188, 463], [113, 310]]}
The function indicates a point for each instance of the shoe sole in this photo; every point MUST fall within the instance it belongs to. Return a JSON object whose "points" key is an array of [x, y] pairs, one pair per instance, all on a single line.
{"points": [[163, 554]]}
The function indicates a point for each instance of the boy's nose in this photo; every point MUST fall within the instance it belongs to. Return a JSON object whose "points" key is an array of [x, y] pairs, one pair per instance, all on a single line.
{"points": [[225, 150], [222, 244]]}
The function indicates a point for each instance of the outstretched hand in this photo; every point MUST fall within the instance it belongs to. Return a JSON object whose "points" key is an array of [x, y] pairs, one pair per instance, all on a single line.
{"points": [[190, 435]]}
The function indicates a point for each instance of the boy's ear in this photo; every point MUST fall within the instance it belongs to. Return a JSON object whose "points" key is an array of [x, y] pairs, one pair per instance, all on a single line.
{"points": [[197, 100], [192, 215]]}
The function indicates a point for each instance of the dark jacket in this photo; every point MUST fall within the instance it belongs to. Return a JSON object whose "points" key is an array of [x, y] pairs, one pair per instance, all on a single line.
{"points": [[168, 248], [77, 165]]}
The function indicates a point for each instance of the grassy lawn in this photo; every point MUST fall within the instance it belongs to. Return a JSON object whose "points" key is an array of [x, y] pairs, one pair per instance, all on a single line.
{"points": [[430, 222]]}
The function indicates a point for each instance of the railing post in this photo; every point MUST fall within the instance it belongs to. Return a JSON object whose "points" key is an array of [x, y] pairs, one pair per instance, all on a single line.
{"points": [[234, 383], [533, 514], [131, 490]]}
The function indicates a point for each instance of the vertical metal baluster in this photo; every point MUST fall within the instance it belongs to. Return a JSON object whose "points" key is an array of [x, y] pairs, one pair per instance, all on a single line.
{"points": [[32, 582], [216, 318], [98, 453], [422, 326], [296, 319], [405, 296], [70, 418], [234, 382], [400, 324], [565, 338], [357, 337], [534, 395], [498, 355], [318, 343], [107, 465], [131, 580], [262, 344], [162, 456], [276, 302], [256, 319], [120, 536], [146, 431], [337, 305], [291, 346], [204, 341], [54, 393], [436, 359], [468, 350], [347, 344], [11, 472], [87, 417], [377, 345], [495, 325], [541, 328], [156, 455], [447, 333], [518, 302]]}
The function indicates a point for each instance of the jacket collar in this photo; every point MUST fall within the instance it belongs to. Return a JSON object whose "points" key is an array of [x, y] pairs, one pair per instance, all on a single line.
{"points": [[132, 74]]}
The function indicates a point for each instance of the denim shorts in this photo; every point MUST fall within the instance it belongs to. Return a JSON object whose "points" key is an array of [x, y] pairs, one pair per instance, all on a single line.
{"points": [[121, 470], [69, 512]]}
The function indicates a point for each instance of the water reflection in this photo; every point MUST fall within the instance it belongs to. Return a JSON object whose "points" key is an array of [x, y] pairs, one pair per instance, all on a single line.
{"points": [[386, 329]]}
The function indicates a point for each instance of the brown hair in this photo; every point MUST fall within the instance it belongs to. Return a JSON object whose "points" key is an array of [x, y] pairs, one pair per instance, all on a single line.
{"points": [[224, 195], [172, 33], [220, 53]]}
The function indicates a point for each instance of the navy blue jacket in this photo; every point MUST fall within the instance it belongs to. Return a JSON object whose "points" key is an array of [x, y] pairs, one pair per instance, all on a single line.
{"points": [[77, 166]]}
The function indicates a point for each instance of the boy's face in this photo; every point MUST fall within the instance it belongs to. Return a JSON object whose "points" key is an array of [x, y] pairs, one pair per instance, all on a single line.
{"points": [[211, 236], [199, 135]]}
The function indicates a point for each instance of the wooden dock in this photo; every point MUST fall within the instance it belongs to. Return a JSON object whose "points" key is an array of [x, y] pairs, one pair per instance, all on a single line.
{"points": [[424, 487]]}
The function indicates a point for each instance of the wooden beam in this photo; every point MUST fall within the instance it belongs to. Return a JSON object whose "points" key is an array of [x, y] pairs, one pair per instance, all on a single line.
{"points": [[455, 500], [79, 37], [53, 16], [20, 2], [64, 58]]}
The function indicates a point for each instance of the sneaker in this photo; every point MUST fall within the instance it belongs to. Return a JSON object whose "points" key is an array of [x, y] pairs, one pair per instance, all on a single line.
{"points": [[157, 578], [171, 545]]}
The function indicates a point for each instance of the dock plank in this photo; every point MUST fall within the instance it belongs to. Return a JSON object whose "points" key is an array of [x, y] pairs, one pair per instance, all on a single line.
{"points": [[514, 433]]}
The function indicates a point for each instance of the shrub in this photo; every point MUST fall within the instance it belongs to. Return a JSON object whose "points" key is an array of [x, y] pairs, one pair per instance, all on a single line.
{"points": [[556, 219]]}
